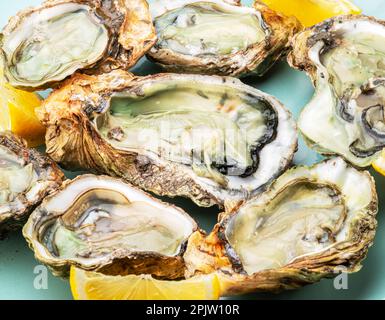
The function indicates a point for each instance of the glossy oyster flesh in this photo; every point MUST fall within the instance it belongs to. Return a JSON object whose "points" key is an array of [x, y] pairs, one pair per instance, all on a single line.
{"points": [[44, 45], [26, 177], [345, 58], [159, 7], [213, 37], [102, 223], [208, 138], [312, 223]]}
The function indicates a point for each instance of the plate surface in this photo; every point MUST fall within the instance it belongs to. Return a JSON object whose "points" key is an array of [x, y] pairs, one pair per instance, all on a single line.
{"points": [[21, 276]]}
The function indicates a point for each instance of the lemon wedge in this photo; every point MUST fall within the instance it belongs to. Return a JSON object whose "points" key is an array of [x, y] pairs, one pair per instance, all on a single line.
{"points": [[379, 164], [88, 285], [311, 12], [17, 110]]}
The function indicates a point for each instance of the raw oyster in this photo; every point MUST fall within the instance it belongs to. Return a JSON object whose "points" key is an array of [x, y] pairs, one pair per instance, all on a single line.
{"points": [[44, 45], [101, 223], [214, 37], [26, 177], [345, 58], [313, 222], [205, 137]]}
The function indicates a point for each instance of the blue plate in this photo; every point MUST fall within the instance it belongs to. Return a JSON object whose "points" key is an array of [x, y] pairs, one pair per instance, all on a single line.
{"points": [[22, 277]]}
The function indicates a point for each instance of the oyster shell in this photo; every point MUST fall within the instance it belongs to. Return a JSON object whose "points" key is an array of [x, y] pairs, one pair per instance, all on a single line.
{"points": [[313, 222], [42, 46], [26, 177], [204, 137], [345, 58], [101, 223], [214, 37]]}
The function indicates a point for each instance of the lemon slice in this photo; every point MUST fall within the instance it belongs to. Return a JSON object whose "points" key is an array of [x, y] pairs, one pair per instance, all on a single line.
{"points": [[379, 164], [311, 12], [87, 285], [17, 113]]}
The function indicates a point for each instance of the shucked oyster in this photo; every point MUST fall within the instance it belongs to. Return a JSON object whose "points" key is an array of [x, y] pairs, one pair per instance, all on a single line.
{"points": [[208, 138], [312, 223], [44, 45], [345, 58], [214, 37], [26, 177], [102, 223]]}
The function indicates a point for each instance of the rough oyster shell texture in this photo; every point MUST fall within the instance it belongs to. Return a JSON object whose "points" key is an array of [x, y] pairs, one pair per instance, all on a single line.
{"points": [[254, 55], [77, 114], [26, 177], [118, 32], [344, 57]]}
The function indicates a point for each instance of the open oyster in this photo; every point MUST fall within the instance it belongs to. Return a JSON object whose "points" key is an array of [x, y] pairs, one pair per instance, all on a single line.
{"points": [[101, 223], [215, 37], [26, 177], [208, 138], [313, 222], [345, 58], [44, 45]]}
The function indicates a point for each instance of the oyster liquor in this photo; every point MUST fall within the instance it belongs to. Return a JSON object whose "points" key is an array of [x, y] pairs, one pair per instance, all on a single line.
{"points": [[194, 309]]}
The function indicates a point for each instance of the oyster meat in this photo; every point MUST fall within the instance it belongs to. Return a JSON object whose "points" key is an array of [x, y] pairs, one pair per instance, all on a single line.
{"points": [[26, 177], [215, 37], [205, 137], [345, 58], [313, 222], [44, 45], [101, 223]]}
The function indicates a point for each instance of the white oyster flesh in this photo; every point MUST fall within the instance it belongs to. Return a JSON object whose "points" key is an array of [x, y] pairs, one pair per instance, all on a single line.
{"points": [[218, 130], [202, 29], [95, 218], [159, 7], [307, 211], [346, 114], [52, 43]]}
